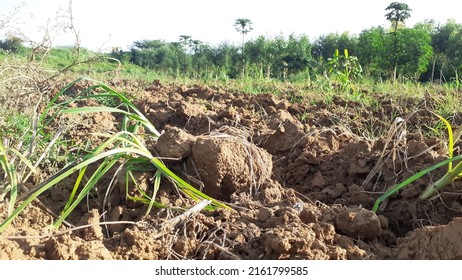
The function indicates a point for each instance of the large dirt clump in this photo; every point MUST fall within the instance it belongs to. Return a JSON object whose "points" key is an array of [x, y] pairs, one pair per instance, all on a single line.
{"points": [[225, 163]]}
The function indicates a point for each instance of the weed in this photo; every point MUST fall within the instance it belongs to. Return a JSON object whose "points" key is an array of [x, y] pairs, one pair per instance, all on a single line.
{"points": [[433, 188], [345, 69], [303, 116], [16, 125], [125, 148]]}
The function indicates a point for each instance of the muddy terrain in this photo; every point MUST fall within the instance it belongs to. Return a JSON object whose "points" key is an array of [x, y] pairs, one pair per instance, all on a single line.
{"points": [[300, 177]]}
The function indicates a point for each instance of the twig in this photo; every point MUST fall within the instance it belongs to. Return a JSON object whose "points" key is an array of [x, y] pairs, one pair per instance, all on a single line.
{"points": [[183, 217], [224, 250]]}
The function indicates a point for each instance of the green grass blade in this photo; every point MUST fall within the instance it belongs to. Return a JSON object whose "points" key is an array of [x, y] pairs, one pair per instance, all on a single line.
{"points": [[157, 179], [23, 159], [97, 175], [54, 180], [124, 145], [59, 107], [145, 200], [450, 139], [107, 161], [128, 103], [131, 140], [410, 180], [76, 186], [444, 181], [184, 186], [86, 110], [10, 171]]}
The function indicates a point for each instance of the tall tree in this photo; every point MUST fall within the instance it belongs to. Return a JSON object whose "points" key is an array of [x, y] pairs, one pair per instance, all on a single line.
{"points": [[413, 55], [243, 26], [325, 45], [399, 12], [447, 43], [371, 51]]}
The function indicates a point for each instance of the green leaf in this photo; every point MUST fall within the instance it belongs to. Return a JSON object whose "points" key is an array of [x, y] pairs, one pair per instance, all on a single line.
{"points": [[410, 180], [450, 139]]}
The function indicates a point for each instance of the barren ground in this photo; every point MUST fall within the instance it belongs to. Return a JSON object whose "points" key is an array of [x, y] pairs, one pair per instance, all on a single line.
{"points": [[301, 179]]}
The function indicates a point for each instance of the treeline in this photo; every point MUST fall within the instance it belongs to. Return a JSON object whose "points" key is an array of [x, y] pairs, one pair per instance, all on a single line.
{"points": [[426, 52]]}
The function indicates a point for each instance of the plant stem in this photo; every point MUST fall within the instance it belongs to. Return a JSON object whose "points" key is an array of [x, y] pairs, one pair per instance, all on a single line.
{"points": [[447, 179]]}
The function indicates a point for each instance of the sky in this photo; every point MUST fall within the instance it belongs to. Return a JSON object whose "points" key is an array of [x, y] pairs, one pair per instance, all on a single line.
{"points": [[103, 24]]}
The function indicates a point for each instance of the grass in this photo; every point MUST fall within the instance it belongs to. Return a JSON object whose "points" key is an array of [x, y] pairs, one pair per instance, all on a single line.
{"points": [[435, 187], [16, 125], [125, 148]]}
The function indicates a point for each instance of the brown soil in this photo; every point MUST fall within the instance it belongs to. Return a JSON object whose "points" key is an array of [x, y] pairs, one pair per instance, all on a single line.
{"points": [[300, 178]]}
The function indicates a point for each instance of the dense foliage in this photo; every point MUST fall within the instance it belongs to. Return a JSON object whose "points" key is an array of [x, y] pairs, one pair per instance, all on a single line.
{"points": [[428, 51], [425, 52]]}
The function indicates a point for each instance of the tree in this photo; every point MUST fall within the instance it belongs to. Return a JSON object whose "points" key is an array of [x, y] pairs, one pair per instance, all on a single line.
{"points": [[12, 44], [225, 57], [325, 45], [371, 50], [153, 54], [257, 52], [413, 55], [447, 44], [298, 54], [399, 13], [243, 26]]}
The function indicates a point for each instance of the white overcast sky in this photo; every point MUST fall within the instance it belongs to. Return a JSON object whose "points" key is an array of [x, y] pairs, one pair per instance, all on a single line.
{"points": [[112, 23]]}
